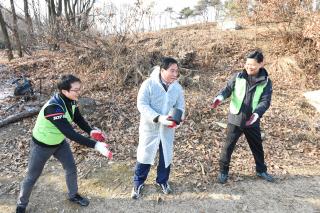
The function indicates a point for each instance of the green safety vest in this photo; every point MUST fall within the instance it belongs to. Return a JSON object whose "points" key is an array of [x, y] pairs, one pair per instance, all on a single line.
{"points": [[239, 92], [44, 131]]}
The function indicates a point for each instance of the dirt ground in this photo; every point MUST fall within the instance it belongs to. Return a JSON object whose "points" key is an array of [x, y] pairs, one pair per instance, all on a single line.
{"points": [[108, 187]]}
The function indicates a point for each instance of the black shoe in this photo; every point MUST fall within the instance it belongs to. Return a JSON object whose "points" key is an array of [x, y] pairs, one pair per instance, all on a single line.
{"points": [[137, 192], [20, 209], [165, 187], [78, 199], [222, 178], [265, 176]]}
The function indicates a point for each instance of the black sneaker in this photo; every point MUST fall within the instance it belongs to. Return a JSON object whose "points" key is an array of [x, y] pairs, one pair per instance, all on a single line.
{"points": [[222, 178], [78, 199], [137, 192], [265, 176], [165, 187], [20, 209]]}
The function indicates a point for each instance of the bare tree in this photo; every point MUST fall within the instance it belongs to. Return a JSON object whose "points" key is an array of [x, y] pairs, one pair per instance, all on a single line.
{"points": [[202, 9], [53, 10], [217, 4], [170, 11], [36, 14], [185, 13], [28, 18], [15, 29], [76, 11], [66, 4], [84, 14], [10, 12], [6, 36]]}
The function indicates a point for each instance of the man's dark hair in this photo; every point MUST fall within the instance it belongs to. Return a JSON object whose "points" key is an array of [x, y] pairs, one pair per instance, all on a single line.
{"points": [[66, 81], [166, 62], [257, 55]]}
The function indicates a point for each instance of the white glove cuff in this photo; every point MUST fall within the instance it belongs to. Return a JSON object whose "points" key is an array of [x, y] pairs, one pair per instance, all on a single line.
{"points": [[220, 97]]}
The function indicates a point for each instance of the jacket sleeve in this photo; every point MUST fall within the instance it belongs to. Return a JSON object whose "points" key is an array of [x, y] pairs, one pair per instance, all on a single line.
{"points": [[81, 122], [265, 100], [180, 104], [227, 91], [144, 100], [65, 127]]}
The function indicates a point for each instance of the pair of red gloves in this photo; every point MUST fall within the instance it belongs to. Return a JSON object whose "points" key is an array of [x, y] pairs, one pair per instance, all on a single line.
{"points": [[100, 146], [218, 100]]}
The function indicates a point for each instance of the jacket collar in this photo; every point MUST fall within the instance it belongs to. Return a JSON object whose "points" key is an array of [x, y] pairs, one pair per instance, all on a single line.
{"points": [[155, 75], [64, 98], [262, 75]]}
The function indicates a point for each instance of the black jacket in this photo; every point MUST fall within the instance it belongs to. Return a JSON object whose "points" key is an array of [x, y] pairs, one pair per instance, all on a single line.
{"points": [[62, 123], [246, 109]]}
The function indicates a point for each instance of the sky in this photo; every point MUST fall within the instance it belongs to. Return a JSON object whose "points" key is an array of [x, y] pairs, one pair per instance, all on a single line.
{"points": [[160, 5], [160, 18]]}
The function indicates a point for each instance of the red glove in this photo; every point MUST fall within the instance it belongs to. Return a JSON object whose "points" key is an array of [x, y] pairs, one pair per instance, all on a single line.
{"points": [[97, 135], [254, 117], [109, 155], [216, 101], [166, 120], [173, 125]]}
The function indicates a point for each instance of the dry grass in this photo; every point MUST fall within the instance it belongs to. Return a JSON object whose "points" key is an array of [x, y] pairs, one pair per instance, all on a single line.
{"points": [[209, 57]]}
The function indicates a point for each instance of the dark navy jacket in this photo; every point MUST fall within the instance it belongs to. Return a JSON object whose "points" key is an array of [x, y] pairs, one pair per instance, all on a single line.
{"points": [[246, 109]]}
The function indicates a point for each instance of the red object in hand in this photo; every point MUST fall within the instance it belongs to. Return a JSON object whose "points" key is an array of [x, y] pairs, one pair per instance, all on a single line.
{"points": [[107, 152], [109, 155], [98, 135], [253, 118], [173, 125], [215, 103]]}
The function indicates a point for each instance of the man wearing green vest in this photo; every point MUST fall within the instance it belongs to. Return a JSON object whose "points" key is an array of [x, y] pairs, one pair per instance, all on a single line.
{"points": [[48, 139], [250, 91]]}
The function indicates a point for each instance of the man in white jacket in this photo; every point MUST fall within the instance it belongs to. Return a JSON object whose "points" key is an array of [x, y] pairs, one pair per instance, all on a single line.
{"points": [[159, 94]]}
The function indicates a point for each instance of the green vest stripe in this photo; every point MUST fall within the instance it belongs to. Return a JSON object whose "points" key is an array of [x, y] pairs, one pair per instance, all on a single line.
{"points": [[239, 92], [44, 131], [257, 95]]}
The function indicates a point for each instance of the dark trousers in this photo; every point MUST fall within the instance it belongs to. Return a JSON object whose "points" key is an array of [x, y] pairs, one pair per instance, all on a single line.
{"points": [[38, 157], [253, 136], [142, 170]]}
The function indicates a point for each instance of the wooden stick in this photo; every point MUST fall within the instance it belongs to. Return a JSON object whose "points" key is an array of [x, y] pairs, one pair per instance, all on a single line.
{"points": [[19, 116]]}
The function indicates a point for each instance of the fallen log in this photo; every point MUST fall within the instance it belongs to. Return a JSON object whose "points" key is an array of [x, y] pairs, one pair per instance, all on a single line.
{"points": [[19, 116]]}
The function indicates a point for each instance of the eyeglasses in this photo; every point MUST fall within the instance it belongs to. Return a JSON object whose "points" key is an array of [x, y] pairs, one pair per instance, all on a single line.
{"points": [[75, 90]]}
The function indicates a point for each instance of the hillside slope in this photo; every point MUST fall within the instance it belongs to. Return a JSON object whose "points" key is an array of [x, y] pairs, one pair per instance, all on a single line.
{"points": [[208, 57]]}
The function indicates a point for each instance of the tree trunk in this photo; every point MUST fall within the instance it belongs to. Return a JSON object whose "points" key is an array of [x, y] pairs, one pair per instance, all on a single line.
{"points": [[28, 19], [36, 15], [66, 3], [52, 12], [59, 8], [9, 11], [6, 37], [85, 12], [19, 116], [15, 29]]}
